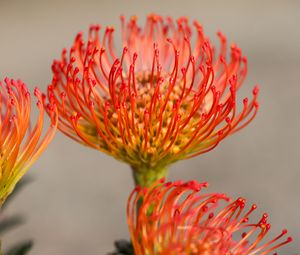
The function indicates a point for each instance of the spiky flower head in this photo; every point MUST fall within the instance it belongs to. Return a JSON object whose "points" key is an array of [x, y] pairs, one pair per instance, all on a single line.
{"points": [[170, 94], [20, 142], [176, 218]]}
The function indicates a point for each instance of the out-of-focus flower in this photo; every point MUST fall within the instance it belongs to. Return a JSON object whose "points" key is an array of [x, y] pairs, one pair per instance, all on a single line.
{"points": [[169, 96], [20, 143], [175, 218]]}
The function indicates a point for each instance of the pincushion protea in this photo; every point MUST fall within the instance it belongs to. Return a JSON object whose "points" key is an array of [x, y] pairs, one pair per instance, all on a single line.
{"points": [[164, 99], [20, 143], [175, 218]]}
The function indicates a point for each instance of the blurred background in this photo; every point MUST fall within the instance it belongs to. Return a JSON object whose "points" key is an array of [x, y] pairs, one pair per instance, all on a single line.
{"points": [[76, 203]]}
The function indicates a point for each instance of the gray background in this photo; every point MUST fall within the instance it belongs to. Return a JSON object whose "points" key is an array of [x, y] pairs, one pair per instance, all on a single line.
{"points": [[76, 205]]}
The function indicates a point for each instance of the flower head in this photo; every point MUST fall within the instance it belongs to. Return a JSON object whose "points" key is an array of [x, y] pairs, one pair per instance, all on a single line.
{"points": [[169, 95], [175, 218], [20, 143]]}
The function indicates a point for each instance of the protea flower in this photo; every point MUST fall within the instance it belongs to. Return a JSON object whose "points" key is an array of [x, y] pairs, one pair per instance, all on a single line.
{"points": [[163, 99], [20, 143], [175, 218]]}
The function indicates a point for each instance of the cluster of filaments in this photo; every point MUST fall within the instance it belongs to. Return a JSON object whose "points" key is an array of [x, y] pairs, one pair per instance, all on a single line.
{"points": [[175, 218], [20, 142], [164, 99]]}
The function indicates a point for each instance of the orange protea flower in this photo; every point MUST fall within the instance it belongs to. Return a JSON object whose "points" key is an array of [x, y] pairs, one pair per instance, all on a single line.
{"points": [[164, 99], [20, 144], [174, 218]]}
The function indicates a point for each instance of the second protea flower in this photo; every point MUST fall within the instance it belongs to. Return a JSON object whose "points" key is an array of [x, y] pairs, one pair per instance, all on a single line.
{"points": [[163, 99], [178, 219]]}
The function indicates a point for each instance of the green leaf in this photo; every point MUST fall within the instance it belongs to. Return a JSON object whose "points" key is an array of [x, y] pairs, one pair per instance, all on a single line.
{"points": [[123, 247], [10, 222], [20, 248]]}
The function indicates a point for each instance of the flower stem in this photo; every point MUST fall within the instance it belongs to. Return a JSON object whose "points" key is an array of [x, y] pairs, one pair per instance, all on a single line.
{"points": [[146, 177], [1, 253]]}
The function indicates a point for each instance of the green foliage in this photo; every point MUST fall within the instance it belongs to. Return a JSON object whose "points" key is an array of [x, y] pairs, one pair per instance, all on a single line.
{"points": [[11, 221], [7, 223], [20, 249], [123, 247]]}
